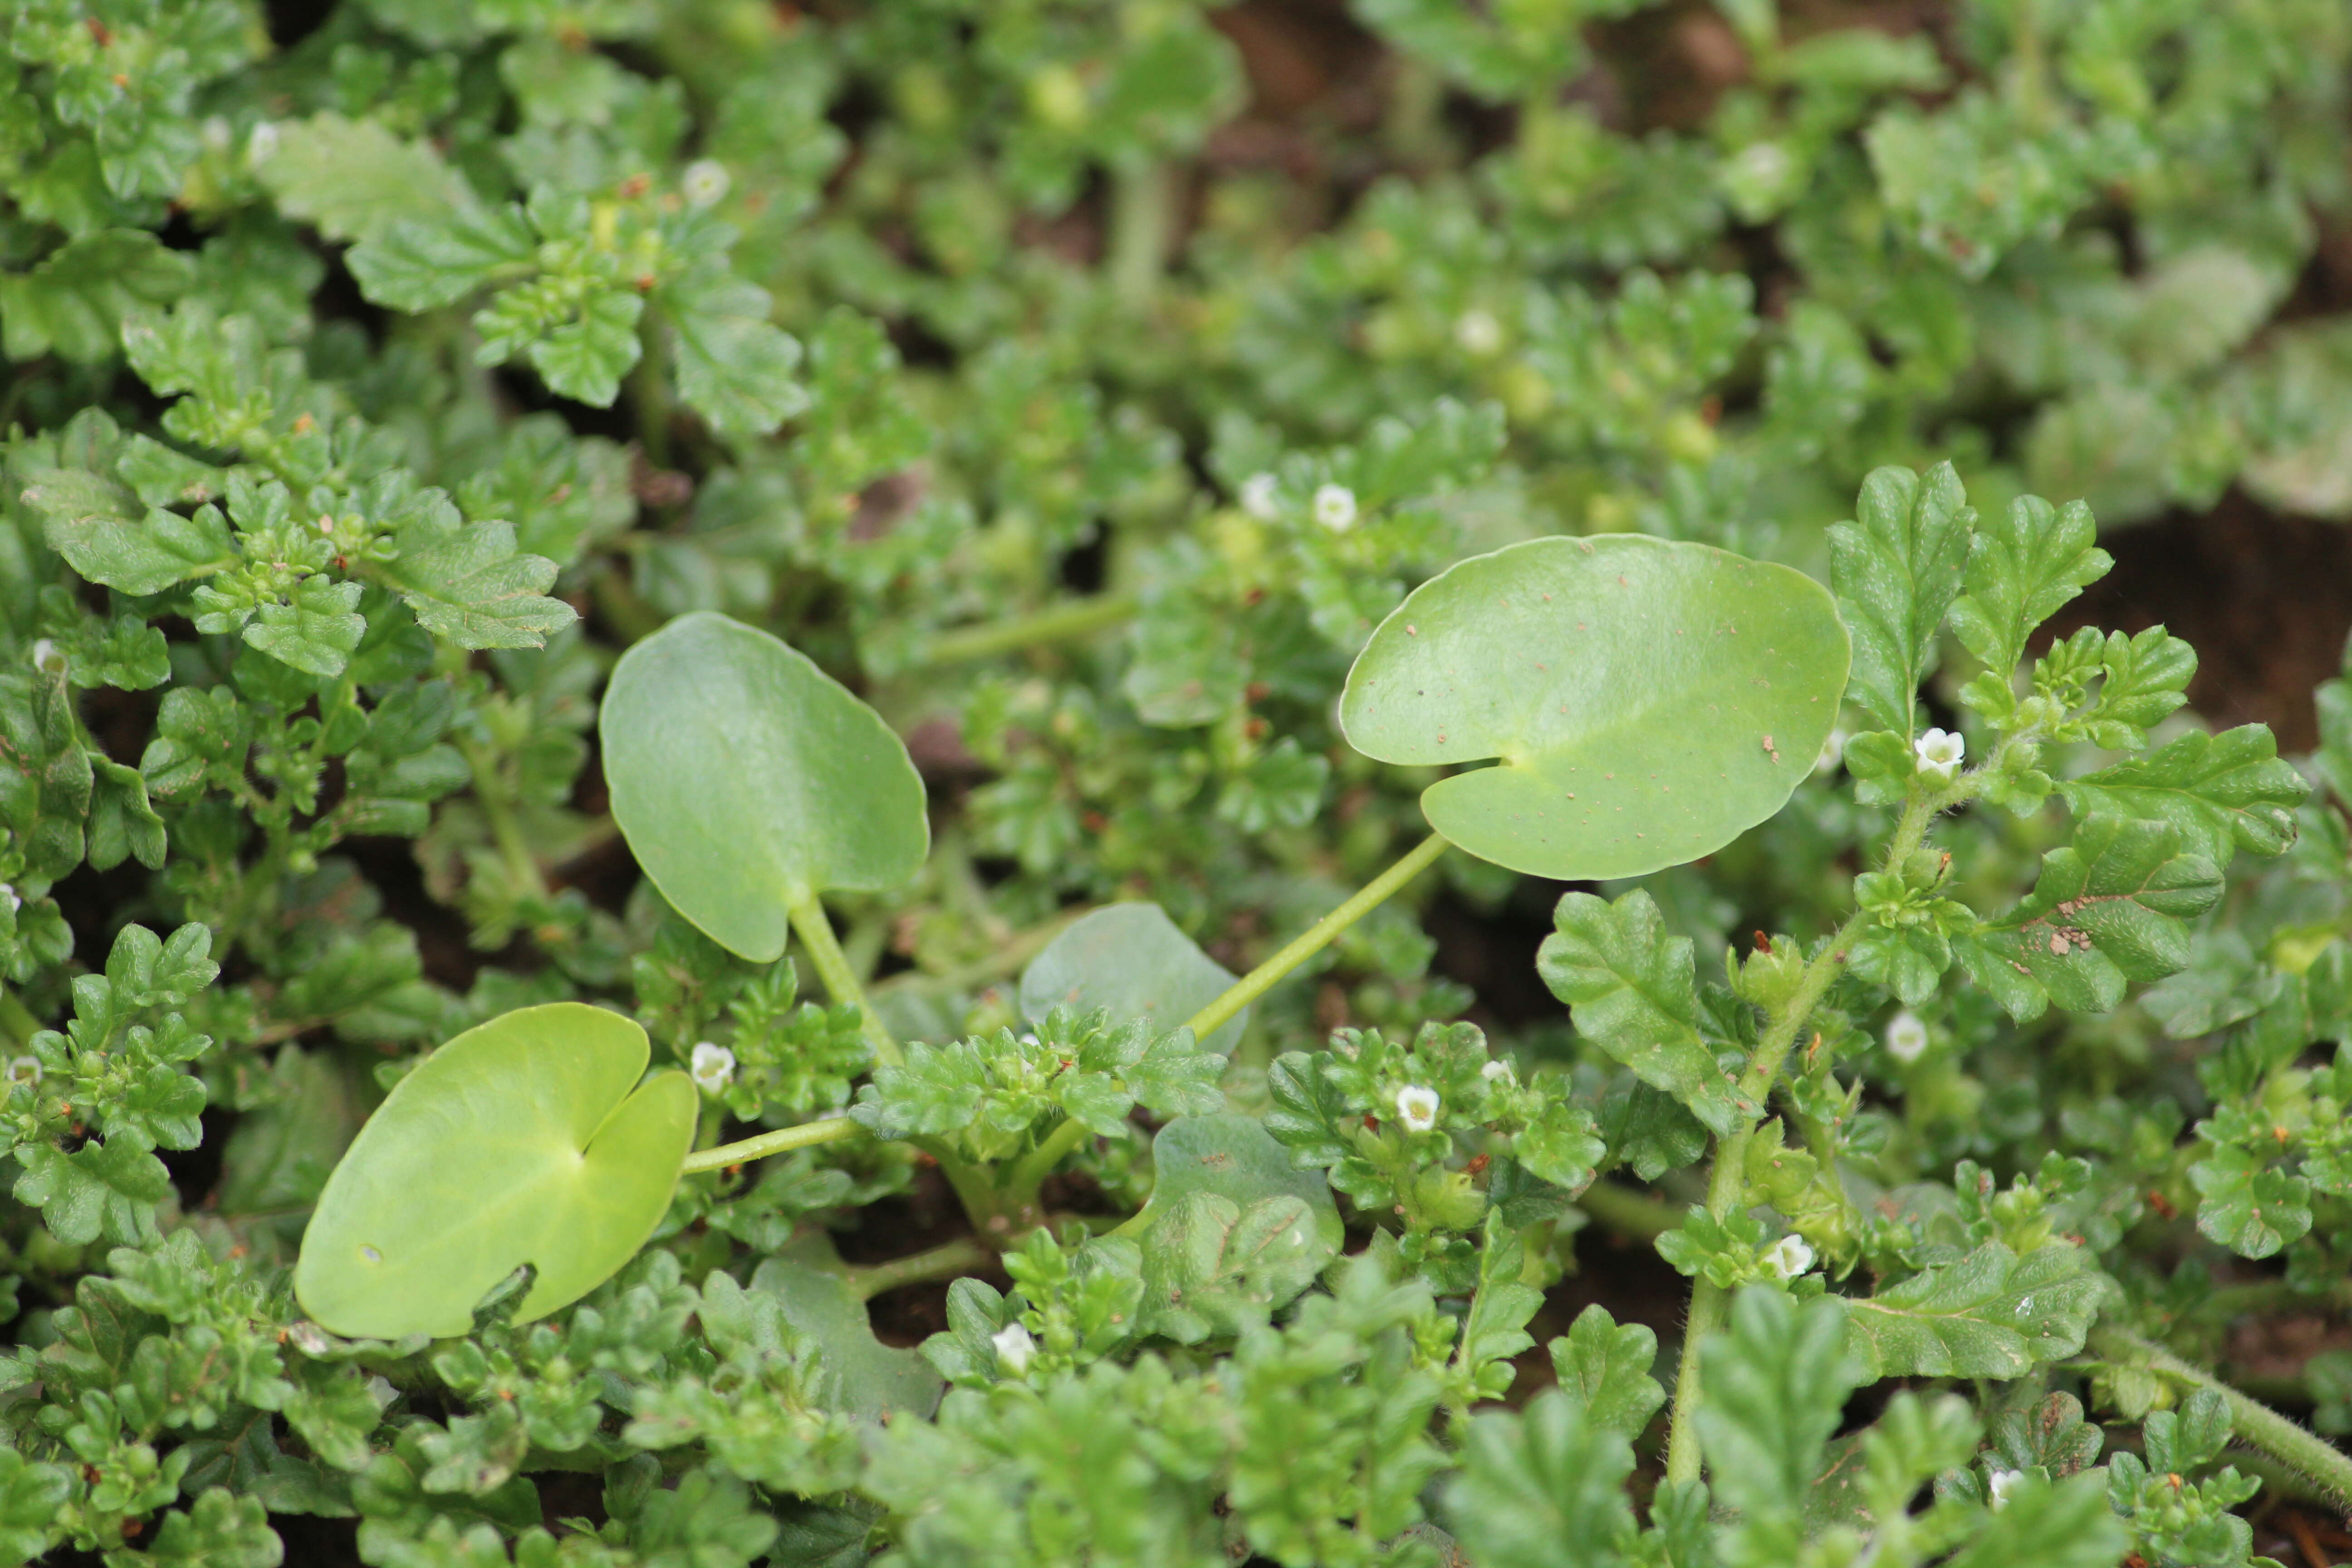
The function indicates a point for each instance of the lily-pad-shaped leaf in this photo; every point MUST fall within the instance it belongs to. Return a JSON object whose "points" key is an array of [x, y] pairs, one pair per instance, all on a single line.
{"points": [[1233, 1230], [746, 780], [1132, 959], [528, 1139], [862, 1376], [1646, 702]]}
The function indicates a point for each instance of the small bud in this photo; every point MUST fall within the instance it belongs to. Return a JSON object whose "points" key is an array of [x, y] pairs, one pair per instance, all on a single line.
{"points": [[47, 658], [1478, 334], [326, 524], [706, 181], [1999, 1484], [1939, 752], [712, 1068], [9, 896], [1335, 507], [24, 1069], [1417, 1107], [1496, 1071], [262, 144], [1014, 1348], [1907, 1038], [1260, 497], [1789, 1257]]}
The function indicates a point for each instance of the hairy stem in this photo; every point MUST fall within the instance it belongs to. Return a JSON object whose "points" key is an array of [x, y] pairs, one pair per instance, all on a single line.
{"points": [[497, 803], [2253, 1422], [1024, 1180], [1062, 622], [816, 931], [649, 391], [946, 1261], [785, 1137], [1726, 1182], [1142, 225], [1628, 1213], [1316, 937]]}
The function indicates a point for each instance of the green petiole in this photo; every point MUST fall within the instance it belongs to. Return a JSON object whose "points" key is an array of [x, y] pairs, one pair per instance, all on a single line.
{"points": [[816, 931], [1316, 937], [781, 1140]]}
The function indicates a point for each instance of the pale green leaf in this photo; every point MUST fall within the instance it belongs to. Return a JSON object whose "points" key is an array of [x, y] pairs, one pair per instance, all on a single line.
{"points": [[1648, 701], [527, 1140], [745, 778]]}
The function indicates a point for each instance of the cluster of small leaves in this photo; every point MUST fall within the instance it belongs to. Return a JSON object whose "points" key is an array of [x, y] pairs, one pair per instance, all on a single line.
{"points": [[992, 1097], [1391, 1126]]}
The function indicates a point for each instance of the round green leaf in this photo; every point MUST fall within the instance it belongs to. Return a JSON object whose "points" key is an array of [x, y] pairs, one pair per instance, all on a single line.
{"points": [[528, 1139], [862, 1376], [746, 779], [1132, 959], [1646, 702], [1234, 1229]]}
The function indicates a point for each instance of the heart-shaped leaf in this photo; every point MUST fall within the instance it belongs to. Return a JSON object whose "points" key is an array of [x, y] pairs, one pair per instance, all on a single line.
{"points": [[746, 779], [1232, 1230], [528, 1139], [1132, 959], [1648, 701]]}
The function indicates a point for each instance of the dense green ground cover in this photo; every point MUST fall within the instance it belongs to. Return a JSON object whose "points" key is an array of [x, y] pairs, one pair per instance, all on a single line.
{"points": [[1079, 385]]}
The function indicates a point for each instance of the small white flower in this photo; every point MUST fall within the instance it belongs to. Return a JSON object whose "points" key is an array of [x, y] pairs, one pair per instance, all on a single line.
{"points": [[1833, 751], [25, 1069], [1335, 507], [1014, 1348], [379, 1387], [1907, 1038], [712, 1068], [326, 525], [1496, 1070], [1478, 333], [261, 144], [1999, 1484], [1261, 497], [1789, 1256], [1939, 752], [705, 180], [1417, 1107], [47, 658]]}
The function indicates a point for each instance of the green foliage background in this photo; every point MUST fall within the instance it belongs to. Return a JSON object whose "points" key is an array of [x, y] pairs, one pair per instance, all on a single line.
{"points": [[377, 377]]}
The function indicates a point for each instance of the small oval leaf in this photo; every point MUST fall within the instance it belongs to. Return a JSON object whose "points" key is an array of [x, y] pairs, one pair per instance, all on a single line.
{"points": [[528, 1139], [1647, 701], [1132, 959], [745, 778]]}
